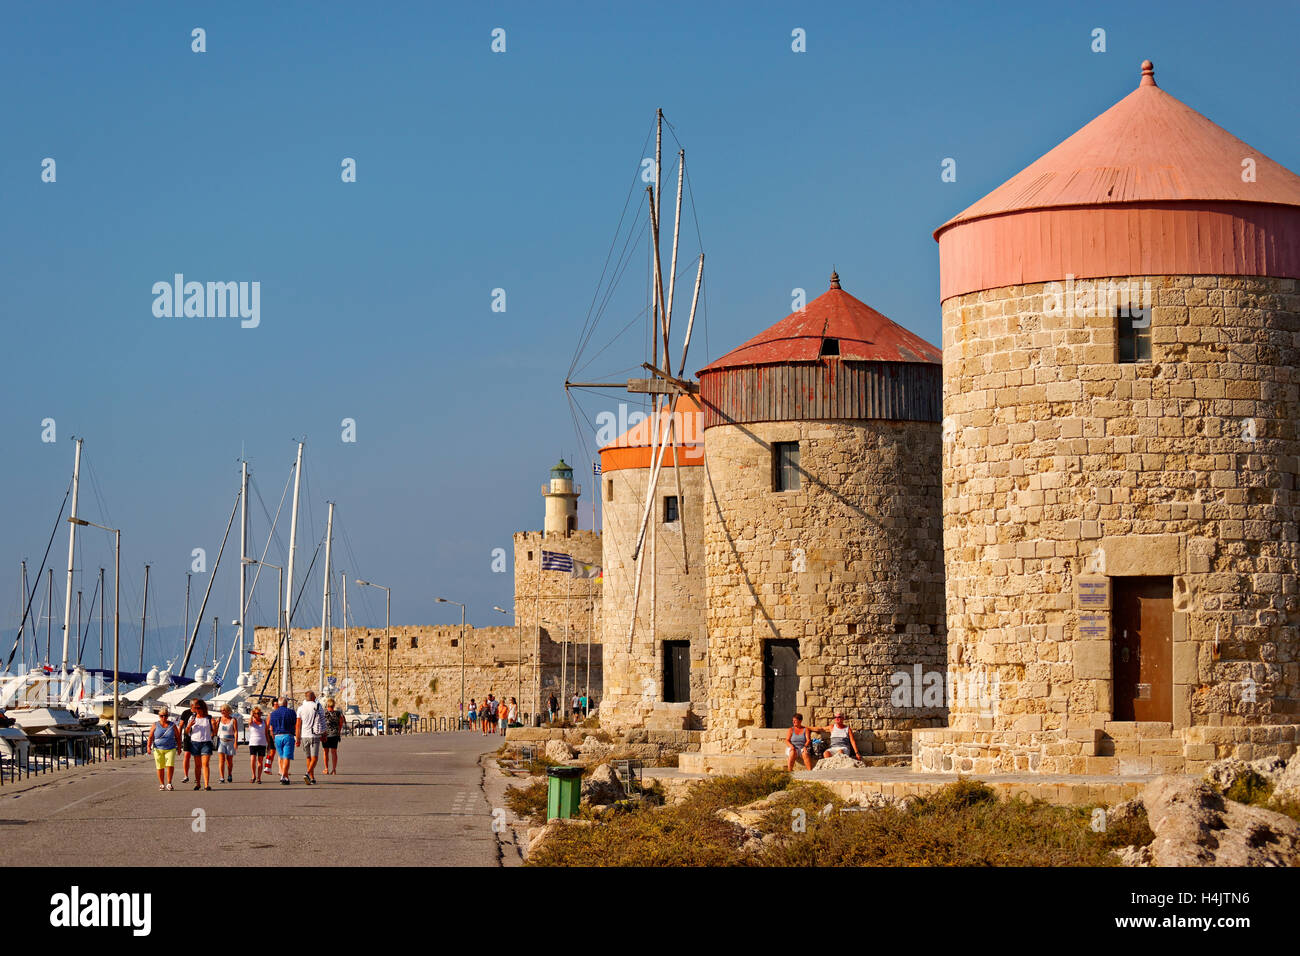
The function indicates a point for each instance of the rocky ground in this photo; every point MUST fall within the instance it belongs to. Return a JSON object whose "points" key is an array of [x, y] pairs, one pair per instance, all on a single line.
{"points": [[1240, 814], [1229, 818]]}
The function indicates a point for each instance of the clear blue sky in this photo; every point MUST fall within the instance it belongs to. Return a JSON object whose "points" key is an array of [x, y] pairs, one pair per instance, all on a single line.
{"points": [[478, 171]]}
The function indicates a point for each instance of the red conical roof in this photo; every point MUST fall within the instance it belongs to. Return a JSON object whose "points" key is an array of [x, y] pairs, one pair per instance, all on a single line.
{"points": [[1148, 147], [862, 334]]}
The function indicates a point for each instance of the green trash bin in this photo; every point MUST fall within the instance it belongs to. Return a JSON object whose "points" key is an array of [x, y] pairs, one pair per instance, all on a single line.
{"points": [[563, 791]]}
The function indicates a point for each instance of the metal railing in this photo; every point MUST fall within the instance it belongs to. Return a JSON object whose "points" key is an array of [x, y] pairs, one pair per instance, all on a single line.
{"points": [[52, 754]]}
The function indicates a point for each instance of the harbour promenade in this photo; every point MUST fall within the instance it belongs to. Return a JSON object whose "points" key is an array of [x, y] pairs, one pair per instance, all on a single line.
{"points": [[404, 800]]}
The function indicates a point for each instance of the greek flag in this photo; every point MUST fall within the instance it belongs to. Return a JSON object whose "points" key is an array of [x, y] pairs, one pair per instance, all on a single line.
{"points": [[557, 561], [595, 467]]}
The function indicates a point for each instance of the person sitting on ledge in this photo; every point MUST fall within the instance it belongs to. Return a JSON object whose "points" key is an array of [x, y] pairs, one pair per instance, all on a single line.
{"points": [[842, 739], [797, 744]]}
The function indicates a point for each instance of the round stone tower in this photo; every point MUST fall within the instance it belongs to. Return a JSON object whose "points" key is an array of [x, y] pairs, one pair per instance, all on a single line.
{"points": [[1121, 333], [655, 674], [823, 547], [561, 500]]}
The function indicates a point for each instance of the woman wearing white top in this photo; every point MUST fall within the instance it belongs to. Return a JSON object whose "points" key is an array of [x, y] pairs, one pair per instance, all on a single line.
{"points": [[227, 744], [842, 739], [257, 743], [201, 730]]}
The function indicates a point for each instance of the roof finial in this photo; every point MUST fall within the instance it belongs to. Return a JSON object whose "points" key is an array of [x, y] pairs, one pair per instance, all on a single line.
{"points": [[835, 278], [1148, 73]]}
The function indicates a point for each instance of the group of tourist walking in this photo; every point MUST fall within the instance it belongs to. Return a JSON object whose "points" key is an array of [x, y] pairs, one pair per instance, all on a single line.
{"points": [[196, 734], [492, 716], [580, 707]]}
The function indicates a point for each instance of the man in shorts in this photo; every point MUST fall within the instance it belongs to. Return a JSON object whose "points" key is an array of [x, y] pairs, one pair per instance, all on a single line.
{"points": [[310, 728], [284, 723]]}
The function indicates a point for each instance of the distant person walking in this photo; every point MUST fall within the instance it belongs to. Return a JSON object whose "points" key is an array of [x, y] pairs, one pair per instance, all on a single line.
{"points": [[185, 744], [513, 713], [503, 716], [284, 723], [258, 738], [227, 744], [552, 705], [333, 731], [202, 730], [576, 711], [483, 717], [491, 727], [162, 742], [310, 731], [473, 713]]}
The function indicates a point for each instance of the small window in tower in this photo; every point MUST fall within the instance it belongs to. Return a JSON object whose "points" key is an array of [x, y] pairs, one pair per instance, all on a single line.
{"points": [[830, 347], [530, 555], [670, 509], [392, 643], [415, 642], [454, 642], [609, 489], [376, 647], [1134, 335], [326, 645], [785, 466], [361, 643]]}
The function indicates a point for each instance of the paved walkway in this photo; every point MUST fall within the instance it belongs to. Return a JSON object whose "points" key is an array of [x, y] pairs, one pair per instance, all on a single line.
{"points": [[405, 800]]}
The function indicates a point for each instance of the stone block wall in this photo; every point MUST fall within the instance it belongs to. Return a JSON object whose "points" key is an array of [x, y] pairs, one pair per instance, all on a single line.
{"points": [[1059, 462], [426, 678], [850, 565], [670, 605]]}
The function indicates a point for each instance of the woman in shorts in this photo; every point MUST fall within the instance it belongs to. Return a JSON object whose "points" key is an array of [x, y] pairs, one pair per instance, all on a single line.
{"points": [[162, 742], [333, 730], [797, 744], [202, 730], [227, 744], [257, 743], [473, 713]]}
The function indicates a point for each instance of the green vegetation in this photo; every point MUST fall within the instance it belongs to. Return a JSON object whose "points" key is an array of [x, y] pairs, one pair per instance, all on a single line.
{"points": [[963, 824], [528, 803]]}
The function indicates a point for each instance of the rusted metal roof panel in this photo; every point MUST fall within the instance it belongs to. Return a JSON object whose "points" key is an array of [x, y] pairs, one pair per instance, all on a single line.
{"points": [[859, 332], [829, 389]]}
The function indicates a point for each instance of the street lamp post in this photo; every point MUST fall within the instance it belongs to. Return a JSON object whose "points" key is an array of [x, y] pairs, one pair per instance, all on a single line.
{"points": [[462, 652], [519, 662], [388, 648], [279, 613], [117, 620]]}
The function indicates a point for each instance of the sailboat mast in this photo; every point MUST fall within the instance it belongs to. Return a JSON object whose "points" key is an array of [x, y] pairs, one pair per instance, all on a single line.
{"points": [[22, 629], [288, 575], [49, 611], [243, 557], [185, 635], [144, 616], [325, 605], [347, 673], [72, 553], [102, 601]]}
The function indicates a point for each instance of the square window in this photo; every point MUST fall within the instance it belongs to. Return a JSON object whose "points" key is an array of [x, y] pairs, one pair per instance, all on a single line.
{"points": [[361, 643], [392, 643], [376, 647], [785, 466], [670, 509], [415, 643], [1134, 334], [830, 347]]}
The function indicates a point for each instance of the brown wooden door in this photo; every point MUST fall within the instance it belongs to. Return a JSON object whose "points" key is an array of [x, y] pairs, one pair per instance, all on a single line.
{"points": [[780, 682], [1142, 648]]}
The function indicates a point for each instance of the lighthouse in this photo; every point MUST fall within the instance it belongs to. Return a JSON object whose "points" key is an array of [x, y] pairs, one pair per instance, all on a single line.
{"points": [[561, 496]]}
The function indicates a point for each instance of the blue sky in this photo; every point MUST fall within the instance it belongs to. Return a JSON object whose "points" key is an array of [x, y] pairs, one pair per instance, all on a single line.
{"points": [[476, 171]]}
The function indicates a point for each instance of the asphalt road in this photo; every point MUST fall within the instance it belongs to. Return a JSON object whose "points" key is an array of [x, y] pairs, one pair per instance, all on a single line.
{"points": [[404, 800]]}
